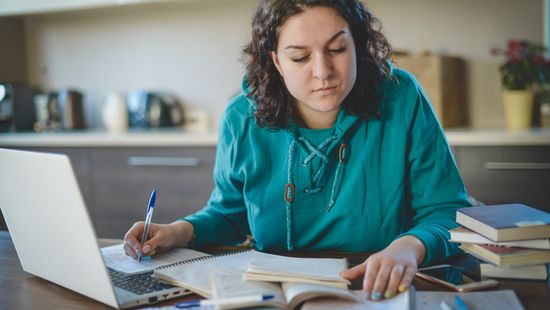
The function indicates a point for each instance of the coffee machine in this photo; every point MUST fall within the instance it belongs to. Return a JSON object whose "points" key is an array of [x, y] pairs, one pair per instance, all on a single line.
{"points": [[72, 109], [17, 110], [153, 110], [63, 110]]}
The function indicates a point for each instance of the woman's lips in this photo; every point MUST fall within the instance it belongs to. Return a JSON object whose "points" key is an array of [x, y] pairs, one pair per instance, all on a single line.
{"points": [[325, 90]]}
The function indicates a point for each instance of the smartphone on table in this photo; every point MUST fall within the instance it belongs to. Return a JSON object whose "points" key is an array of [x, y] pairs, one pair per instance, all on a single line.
{"points": [[455, 278]]}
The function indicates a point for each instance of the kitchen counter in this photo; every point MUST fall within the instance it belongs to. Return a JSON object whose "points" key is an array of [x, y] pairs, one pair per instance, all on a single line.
{"points": [[177, 137], [498, 137], [141, 138]]}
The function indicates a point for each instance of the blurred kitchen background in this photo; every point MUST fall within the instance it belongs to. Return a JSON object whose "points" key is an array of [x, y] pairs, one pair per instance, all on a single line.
{"points": [[94, 67], [191, 48]]}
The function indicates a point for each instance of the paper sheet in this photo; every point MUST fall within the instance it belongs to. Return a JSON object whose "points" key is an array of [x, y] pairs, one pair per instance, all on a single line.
{"points": [[115, 258]]}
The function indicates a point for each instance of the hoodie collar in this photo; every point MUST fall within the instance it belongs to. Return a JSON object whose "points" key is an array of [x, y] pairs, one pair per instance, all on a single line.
{"points": [[344, 124]]}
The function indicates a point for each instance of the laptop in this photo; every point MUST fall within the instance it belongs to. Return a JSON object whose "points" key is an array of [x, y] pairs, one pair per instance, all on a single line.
{"points": [[54, 236]]}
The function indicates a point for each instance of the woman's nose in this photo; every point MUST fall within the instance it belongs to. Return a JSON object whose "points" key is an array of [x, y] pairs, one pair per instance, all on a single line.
{"points": [[322, 67]]}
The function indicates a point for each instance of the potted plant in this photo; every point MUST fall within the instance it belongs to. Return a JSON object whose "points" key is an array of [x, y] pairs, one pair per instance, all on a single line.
{"points": [[524, 73]]}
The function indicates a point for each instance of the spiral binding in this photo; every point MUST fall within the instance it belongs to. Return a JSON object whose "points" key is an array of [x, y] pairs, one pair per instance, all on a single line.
{"points": [[193, 260]]}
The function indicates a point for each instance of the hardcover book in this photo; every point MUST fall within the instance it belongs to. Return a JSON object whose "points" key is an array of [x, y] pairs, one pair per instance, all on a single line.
{"points": [[464, 235], [507, 256], [532, 272], [509, 222]]}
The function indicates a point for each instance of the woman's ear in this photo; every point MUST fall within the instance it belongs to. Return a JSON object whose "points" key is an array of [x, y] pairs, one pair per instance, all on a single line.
{"points": [[276, 62]]}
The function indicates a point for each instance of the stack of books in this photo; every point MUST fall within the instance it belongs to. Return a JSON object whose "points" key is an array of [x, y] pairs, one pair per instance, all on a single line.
{"points": [[511, 238]]}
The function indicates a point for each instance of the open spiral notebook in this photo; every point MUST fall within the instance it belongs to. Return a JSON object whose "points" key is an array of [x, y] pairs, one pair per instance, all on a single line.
{"points": [[115, 258], [195, 274]]}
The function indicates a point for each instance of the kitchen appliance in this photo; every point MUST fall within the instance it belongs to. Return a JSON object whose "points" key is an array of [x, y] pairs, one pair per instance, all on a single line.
{"points": [[153, 110], [115, 113], [71, 109], [17, 112], [59, 110]]}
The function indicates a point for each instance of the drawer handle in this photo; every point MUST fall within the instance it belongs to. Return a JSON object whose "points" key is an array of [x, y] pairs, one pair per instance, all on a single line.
{"points": [[516, 166], [142, 161]]}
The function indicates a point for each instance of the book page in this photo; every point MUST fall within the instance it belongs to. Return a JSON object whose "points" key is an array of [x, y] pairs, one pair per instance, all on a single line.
{"points": [[327, 269], [195, 275], [115, 257], [296, 293], [233, 285], [278, 278], [402, 301]]}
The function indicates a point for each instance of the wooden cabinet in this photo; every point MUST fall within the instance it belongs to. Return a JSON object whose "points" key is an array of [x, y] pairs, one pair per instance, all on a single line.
{"points": [[123, 179], [507, 174], [116, 182]]}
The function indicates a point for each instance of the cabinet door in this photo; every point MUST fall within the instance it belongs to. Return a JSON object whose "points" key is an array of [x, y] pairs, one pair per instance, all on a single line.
{"points": [[81, 163], [507, 174], [123, 179]]}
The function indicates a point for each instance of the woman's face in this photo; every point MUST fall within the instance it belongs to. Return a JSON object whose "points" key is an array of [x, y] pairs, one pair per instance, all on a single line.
{"points": [[316, 57]]}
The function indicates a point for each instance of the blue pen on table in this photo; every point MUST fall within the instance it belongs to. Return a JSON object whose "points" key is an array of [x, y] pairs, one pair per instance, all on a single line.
{"points": [[242, 300], [461, 305], [445, 306], [148, 217]]}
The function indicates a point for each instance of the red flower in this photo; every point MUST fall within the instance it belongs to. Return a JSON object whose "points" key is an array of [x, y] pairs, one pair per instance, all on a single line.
{"points": [[526, 65], [515, 48]]}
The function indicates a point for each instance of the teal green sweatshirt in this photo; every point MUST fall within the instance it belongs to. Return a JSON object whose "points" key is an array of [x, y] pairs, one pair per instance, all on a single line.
{"points": [[354, 187]]}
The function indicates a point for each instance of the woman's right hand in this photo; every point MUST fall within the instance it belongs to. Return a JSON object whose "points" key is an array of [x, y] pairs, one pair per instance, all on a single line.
{"points": [[160, 237]]}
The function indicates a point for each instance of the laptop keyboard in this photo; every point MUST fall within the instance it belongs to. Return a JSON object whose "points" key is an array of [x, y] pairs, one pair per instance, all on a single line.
{"points": [[140, 284]]}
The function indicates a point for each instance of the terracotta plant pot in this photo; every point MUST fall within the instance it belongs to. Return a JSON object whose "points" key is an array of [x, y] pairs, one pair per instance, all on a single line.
{"points": [[518, 107]]}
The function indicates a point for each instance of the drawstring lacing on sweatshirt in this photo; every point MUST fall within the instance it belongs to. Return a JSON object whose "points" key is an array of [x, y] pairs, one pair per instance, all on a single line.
{"points": [[316, 151], [290, 187]]}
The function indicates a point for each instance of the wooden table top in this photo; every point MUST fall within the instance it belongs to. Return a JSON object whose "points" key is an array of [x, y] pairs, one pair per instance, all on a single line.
{"points": [[21, 290]]}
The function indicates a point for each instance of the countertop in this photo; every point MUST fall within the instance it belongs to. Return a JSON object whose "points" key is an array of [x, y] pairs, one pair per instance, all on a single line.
{"points": [[141, 138], [497, 137], [178, 137]]}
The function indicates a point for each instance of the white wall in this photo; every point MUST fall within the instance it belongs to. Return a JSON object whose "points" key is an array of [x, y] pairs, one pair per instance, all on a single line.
{"points": [[468, 29], [192, 48]]}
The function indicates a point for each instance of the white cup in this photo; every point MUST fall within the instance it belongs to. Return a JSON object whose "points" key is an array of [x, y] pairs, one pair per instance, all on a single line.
{"points": [[115, 113]]}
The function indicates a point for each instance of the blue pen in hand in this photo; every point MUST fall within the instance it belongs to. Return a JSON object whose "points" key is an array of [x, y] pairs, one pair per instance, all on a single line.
{"points": [[148, 217]]}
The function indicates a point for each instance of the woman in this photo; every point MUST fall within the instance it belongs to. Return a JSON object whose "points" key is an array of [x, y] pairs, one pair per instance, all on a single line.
{"points": [[327, 148]]}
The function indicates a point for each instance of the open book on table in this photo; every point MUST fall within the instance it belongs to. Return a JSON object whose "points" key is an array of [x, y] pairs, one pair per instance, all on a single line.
{"points": [[276, 268], [286, 295], [402, 301]]}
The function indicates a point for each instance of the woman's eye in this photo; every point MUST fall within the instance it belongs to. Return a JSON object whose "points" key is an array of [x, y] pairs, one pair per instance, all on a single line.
{"points": [[338, 50], [299, 59]]}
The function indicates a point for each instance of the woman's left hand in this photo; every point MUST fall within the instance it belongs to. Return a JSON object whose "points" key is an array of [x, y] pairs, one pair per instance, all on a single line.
{"points": [[391, 270]]}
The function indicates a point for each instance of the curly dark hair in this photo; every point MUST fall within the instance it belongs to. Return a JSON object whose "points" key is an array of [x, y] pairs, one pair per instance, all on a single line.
{"points": [[274, 104]]}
